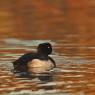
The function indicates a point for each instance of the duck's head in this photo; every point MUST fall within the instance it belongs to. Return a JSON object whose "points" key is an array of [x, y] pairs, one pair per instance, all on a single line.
{"points": [[45, 48]]}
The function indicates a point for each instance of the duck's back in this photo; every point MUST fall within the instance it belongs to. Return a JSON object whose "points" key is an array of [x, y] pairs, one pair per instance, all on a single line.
{"points": [[21, 63]]}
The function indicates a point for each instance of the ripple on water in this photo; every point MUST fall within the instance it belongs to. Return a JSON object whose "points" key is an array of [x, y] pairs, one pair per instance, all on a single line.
{"points": [[73, 75]]}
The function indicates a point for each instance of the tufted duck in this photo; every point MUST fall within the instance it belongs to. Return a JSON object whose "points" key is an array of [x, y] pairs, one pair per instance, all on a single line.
{"points": [[38, 62]]}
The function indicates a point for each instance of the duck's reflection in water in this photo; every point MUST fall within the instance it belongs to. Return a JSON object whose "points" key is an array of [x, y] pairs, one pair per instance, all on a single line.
{"points": [[44, 77], [41, 78]]}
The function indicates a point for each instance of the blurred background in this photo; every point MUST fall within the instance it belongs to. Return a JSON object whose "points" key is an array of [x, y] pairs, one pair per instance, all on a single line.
{"points": [[55, 19]]}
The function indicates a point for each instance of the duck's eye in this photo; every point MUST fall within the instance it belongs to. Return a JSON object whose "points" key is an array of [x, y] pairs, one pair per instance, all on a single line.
{"points": [[48, 47]]}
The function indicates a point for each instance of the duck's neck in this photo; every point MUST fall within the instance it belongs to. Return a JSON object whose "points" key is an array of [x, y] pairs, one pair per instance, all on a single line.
{"points": [[43, 56]]}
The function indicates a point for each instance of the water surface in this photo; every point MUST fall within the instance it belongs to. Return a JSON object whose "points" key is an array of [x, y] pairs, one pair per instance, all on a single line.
{"points": [[74, 74]]}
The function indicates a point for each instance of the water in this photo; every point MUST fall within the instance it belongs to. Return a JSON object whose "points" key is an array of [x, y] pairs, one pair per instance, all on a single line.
{"points": [[74, 74]]}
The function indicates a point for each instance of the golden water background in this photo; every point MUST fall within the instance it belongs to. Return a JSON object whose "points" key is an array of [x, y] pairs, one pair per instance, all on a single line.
{"points": [[69, 25]]}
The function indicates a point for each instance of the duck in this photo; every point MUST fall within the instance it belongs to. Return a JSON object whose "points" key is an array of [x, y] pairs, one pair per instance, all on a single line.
{"points": [[36, 62]]}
